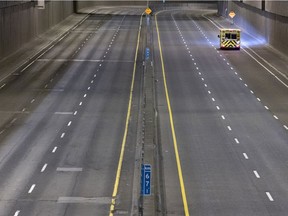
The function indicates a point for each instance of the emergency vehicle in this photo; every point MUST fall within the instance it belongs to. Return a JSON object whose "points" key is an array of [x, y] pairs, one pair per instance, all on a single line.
{"points": [[229, 38]]}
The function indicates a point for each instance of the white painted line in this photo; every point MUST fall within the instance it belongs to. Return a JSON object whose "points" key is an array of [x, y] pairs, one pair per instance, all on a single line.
{"points": [[251, 92], [209, 92], [223, 117], [199, 73], [69, 169], [27, 66], [269, 196], [275, 117], [205, 85], [24, 109], [246, 85], [228, 63], [2, 132], [197, 68], [85, 95], [17, 213], [54, 149], [213, 99], [88, 88], [3, 86], [285, 126], [195, 63], [62, 135], [63, 113], [259, 99], [217, 107], [240, 78], [256, 174], [236, 73], [202, 79], [31, 188], [80, 104], [75, 113], [32, 101], [44, 167], [69, 123], [245, 156], [95, 75], [236, 140], [92, 81], [231, 68], [229, 128]]}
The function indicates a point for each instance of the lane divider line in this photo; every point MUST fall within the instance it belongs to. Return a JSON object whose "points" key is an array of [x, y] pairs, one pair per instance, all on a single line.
{"points": [[122, 151], [178, 161]]}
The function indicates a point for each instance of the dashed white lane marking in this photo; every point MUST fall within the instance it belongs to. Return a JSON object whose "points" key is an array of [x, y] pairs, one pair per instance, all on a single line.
{"points": [[69, 169], [85, 95], [44, 167], [88, 88], [229, 128], [236, 140], [251, 92], [75, 113], [223, 117], [54, 149], [266, 107], [32, 101], [269, 196], [31, 188], [217, 107], [286, 127], [259, 99], [256, 174], [62, 135], [246, 85], [213, 99], [205, 85], [17, 213], [2, 132], [92, 81], [70, 122], [63, 113], [209, 92], [275, 117], [245, 156], [3, 86], [80, 104]]}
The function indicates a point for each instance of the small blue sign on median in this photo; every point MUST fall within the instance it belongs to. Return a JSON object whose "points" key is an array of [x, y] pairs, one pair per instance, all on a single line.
{"points": [[147, 53], [146, 179]]}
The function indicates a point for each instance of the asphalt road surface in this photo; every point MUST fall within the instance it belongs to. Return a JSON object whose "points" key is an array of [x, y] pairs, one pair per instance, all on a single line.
{"points": [[232, 147], [63, 120], [71, 121]]}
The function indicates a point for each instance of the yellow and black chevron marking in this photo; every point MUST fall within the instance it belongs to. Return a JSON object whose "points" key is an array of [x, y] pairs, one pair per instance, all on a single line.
{"points": [[229, 44]]}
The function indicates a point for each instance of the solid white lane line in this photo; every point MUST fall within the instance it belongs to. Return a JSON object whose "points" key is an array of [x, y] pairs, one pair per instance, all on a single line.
{"points": [[245, 156], [285, 126], [223, 117], [229, 128], [269, 196], [236, 140], [62, 135], [69, 123], [31, 188], [44, 167], [256, 174], [275, 117], [54, 149]]}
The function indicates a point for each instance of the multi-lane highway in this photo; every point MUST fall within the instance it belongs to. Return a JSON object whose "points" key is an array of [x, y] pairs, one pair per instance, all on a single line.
{"points": [[221, 142], [72, 130], [64, 120]]}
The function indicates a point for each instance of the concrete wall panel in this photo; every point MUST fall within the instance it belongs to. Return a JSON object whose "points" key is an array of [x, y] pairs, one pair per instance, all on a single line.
{"points": [[277, 7], [22, 22], [256, 4]]}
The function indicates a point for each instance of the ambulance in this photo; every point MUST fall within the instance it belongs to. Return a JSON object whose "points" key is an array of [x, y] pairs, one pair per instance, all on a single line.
{"points": [[229, 38]]}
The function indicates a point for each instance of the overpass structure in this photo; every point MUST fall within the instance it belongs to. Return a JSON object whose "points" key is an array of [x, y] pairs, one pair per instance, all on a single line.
{"points": [[108, 110]]}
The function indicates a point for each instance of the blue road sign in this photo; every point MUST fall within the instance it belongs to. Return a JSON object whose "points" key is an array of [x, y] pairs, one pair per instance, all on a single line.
{"points": [[147, 53], [146, 179]]}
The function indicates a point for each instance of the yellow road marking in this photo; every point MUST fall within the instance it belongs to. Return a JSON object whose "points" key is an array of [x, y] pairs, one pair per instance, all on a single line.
{"points": [[120, 162], [182, 185]]}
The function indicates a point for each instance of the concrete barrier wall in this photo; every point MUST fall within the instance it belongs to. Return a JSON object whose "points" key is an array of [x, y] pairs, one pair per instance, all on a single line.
{"points": [[270, 24], [21, 22]]}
